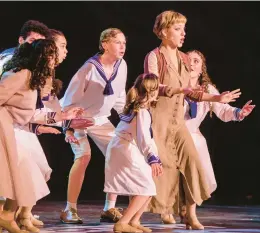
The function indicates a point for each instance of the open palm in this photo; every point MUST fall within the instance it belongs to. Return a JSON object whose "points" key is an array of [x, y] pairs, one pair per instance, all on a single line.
{"points": [[72, 113], [226, 97], [246, 110]]}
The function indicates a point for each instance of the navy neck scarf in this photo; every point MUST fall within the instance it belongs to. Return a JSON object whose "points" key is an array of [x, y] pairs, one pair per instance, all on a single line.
{"points": [[39, 103], [192, 108], [95, 61]]}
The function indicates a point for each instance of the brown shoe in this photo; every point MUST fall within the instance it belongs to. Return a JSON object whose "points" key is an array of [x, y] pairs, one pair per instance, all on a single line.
{"points": [[125, 228], [168, 219], [70, 217], [111, 215], [25, 223], [35, 221], [10, 226], [140, 227], [192, 223]]}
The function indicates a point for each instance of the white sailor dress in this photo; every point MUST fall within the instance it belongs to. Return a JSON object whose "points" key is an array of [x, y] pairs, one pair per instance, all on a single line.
{"points": [[129, 156]]}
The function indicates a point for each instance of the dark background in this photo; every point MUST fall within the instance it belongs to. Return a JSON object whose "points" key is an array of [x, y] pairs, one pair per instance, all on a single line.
{"points": [[228, 33]]}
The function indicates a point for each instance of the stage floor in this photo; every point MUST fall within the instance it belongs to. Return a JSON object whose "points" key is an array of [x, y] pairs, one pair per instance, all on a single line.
{"points": [[218, 219]]}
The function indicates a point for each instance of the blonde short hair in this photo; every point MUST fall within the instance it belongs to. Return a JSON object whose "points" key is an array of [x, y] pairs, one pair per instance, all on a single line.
{"points": [[106, 35], [165, 20]]}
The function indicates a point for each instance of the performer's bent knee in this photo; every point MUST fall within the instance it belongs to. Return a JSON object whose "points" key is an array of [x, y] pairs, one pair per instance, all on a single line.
{"points": [[83, 158]]}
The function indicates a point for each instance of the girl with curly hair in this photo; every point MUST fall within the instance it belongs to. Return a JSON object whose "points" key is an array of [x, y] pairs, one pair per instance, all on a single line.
{"points": [[195, 113], [22, 76], [132, 158], [51, 112], [22, 80]]}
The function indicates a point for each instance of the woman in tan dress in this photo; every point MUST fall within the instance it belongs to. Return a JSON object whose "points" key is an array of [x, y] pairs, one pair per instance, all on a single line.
{"points": [[183, 180], [23, 75]]}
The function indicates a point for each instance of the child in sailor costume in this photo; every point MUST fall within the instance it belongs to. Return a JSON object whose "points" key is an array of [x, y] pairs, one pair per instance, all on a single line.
{"points": [[132, 157]]}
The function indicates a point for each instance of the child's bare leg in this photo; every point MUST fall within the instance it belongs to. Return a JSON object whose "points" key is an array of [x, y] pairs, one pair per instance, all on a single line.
{"points": [[139, 213], [136, 203], [135, 221]]}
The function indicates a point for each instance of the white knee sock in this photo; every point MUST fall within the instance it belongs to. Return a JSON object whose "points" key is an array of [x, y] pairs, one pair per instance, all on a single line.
{"points": [[71, 205], [109, 204]]}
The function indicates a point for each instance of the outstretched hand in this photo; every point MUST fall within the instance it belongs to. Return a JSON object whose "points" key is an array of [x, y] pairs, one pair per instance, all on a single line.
{"points": [[46, 129], [229, 96], [72, 113], [81, 123], [246, 110]]}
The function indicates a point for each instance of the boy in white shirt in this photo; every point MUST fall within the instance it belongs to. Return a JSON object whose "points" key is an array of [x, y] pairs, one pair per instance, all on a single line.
{"points": [[98, 86]]}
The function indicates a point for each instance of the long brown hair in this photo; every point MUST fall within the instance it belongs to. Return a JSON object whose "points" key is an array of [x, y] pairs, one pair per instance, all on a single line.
{"points": [[57, 86], [34, 57], [204, 79], [144, 87]]}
